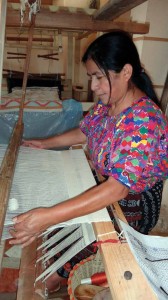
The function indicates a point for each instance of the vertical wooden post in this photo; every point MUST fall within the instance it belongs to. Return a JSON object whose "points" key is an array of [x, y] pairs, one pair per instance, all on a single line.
{"points": [[70, 55], [3, 6], [70, 63], [77, 62], [26, 68]]}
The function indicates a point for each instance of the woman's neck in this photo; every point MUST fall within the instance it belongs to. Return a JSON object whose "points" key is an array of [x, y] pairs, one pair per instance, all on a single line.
{"points": [[128, 99]]}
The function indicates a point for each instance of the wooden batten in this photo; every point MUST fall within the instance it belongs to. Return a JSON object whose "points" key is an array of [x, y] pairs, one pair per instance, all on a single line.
{"points": [[117, 259], [7, 171]]}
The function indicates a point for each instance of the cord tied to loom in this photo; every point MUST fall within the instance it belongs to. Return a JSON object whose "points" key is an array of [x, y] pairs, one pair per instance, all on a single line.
{"points": [[113, 241]]}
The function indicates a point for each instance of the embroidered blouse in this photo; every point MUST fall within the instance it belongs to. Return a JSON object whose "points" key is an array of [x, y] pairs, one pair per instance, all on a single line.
{"points": [[132, 147]]}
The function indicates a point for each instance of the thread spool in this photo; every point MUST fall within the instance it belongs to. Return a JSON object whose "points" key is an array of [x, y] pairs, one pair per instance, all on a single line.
{"points": [[96, 279], [13, 204]]}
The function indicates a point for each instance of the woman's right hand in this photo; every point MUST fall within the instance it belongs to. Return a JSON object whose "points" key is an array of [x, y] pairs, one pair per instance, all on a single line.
{"points": [[29, 225], [33, 144]]}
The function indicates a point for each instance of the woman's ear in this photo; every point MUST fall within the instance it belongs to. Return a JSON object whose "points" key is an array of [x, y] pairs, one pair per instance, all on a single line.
{"points": [[127, 71]]}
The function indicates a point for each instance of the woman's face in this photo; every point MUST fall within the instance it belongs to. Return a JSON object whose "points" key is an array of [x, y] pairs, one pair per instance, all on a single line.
{"points": [[100, 84]]}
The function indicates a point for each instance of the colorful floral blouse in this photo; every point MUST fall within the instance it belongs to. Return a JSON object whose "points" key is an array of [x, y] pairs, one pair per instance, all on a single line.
{"points": [[132, 146]]}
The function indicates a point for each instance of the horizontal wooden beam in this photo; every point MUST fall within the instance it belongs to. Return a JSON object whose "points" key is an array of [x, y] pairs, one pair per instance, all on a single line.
{"points": [[74, 21], [25, 39], [13, 31], [34, 46], [115, 8], [35, 76]]}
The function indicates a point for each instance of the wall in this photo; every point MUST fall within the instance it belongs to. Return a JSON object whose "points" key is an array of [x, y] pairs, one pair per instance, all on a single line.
{"points": [[38, 65], [153, 49]]}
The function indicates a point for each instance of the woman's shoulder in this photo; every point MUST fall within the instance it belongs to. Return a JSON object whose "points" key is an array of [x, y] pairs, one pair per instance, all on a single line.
{"points": [[144, 112], [146, 104], [147, 107]]}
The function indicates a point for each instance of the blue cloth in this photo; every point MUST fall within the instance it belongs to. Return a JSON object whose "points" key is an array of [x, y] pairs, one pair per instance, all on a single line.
{"points": [[39, 124]]}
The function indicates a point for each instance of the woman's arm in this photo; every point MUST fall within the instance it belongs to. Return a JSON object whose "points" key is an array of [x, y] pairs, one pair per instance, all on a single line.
{"points": [[69, 138], [30, 224]]}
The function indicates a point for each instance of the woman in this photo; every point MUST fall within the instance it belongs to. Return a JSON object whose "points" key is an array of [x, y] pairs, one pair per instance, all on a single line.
{"points": [[127, 138]]}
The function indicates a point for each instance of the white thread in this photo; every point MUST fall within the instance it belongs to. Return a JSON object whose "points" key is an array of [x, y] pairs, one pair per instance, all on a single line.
{"points": [[120, 235], [40, 293], [13, 204], [99, 235]]}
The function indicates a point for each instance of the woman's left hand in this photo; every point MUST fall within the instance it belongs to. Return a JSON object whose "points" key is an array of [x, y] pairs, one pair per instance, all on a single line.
{"points": [[29, 225]]}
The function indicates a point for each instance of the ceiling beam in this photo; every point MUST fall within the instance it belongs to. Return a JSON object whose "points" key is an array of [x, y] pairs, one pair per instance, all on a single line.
{"points": [[74, 21], [115, 8]]}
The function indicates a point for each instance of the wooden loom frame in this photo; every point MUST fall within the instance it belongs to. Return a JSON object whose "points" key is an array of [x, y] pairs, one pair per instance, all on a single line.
{"points": [[121, 260], [120, 255]]}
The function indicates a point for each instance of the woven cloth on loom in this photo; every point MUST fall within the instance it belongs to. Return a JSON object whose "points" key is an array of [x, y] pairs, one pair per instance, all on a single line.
{"points": [[46, 177], [36, 98]]}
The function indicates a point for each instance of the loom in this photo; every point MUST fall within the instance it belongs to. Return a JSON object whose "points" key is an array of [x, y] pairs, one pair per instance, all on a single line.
{"points": [[117, 258], [75, 177]]}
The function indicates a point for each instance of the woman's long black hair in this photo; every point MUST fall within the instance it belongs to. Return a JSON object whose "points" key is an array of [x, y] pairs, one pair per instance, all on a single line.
{"points": [[111, 51]]}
